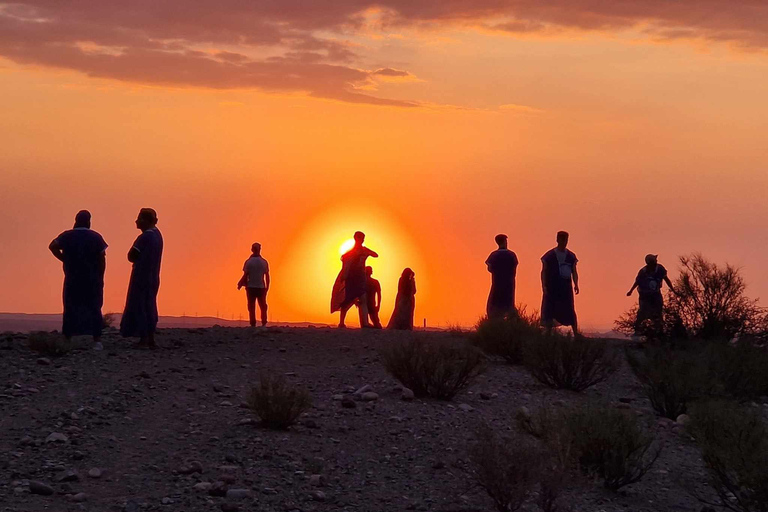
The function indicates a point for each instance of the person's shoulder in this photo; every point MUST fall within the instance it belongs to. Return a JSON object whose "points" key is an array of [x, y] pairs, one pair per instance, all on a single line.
{"points": [[548, 254], [65, 234]]}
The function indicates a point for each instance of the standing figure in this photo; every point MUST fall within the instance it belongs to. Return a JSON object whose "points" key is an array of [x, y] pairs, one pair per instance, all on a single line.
{"points": [[83, 253], [502, 264], [140, 314], [405, 303], [350, 286], [559, 280], [648, 282], [256, 281], [373, 294]]}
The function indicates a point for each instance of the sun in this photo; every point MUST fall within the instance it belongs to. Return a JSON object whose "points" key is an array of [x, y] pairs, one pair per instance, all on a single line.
{"points": [[346, 246]]}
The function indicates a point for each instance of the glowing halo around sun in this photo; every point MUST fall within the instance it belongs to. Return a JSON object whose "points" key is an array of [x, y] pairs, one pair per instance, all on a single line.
{"points": [[346, 246]]}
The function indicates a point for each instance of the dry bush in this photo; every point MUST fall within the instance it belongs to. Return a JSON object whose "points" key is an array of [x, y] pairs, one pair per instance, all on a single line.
{"points": [[507, 337], [49, 344], [564, 362], [671, 379], [507, 469], [740, 369], [734, 445], [438, 369], [600, 441], [276, 402], [108, 320]]}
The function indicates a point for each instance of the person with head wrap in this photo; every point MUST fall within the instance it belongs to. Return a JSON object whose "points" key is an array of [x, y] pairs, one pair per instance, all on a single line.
{"points": [[140, 315], [405, 302], [83, 254], [648, 282]]}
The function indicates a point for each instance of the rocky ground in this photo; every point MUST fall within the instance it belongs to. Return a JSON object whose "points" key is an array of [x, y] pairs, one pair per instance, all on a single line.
{"points": [[131, 430]]}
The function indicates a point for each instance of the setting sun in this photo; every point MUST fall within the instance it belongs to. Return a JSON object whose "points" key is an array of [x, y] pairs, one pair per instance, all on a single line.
{"points": [[346, 246]]}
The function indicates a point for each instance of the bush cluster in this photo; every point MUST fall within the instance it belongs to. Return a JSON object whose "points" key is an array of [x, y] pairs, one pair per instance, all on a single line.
{"points": [[438, 369], [277, 404], [507, 337], [49, 344]]}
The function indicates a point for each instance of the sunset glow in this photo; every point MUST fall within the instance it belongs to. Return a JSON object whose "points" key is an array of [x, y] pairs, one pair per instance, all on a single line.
{"points": [[346, 246], [431, 126]]}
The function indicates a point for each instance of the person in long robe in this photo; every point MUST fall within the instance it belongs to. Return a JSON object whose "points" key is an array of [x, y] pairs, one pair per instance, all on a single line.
{"points": [[559, 281], [649, 282], [350, 286], [83, 254], [405, 302], [140, 315], [502, 264]]}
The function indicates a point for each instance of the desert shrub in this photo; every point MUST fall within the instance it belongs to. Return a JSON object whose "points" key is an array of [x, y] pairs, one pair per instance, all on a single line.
{"points": [[564, 362], [709, 304], [276, 402], [507, 337], [734, 445], [438, 369], [740, 369], [508, 469], [108, 320], [671, 379], [49, 344], [601, 441]]}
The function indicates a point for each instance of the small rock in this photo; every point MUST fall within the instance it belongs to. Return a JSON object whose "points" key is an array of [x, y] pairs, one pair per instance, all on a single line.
{"points": [[203, 486], [40, 488], [683, 419], [318, 496], [337, 398], [94, 473], [167, 501], [310, 423], [68, 476], [485, 396], [524, 413], [407, 395], [238, 494], [625, 400], [348, 403], [317, 480], [191, 467], [364, 389], [466, 407], [218, 489], [44, 361], [230, 507], [79, 497], [369, 396], [26, 440], [56, 437]]}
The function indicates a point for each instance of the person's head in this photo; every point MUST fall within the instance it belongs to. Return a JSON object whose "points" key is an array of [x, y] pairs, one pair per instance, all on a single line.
{"points": [[359, 237], [83, 219], [256, 249], [651, 259], [369, 271], [147, 219], [562, 239], [501, 241], [408, 273]]}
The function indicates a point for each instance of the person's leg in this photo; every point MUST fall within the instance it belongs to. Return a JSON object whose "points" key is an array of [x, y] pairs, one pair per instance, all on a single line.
{"points": [[575, 326], [251, 295], [362, 304], [263, 307], [343, 314], [374, 314]]}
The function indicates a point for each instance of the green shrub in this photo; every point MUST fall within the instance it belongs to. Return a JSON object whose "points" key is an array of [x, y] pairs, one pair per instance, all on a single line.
{"points": [[564, 362], [507, 337], [734, 445], [276, 403], [49, 344], [671, 379], [439, 369]]}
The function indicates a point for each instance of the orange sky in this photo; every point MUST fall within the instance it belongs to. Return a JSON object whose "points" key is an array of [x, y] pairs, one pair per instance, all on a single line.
{"points": [[431, 127]]}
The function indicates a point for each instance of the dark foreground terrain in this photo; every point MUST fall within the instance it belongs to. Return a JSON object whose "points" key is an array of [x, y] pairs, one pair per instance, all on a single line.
{"points": [[152, 430]]}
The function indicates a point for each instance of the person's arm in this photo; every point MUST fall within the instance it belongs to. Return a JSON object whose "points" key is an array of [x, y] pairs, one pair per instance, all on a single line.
{"points": [[102, 263], [243, 280], [377, 298], [413, 284], [55, 249], [372, 254], [575, 276], [267, 280], [669, 283], [634, 285], [544, 276]]}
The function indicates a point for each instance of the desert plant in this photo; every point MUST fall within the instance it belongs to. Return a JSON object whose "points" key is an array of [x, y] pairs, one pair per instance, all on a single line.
{"points": [[709, 303], [671, 379], [734, 445], [740, 369], [507, 337], [508, 469], [49, 344], [439, 369], [564, 362], [276, 403], [108, 320]]}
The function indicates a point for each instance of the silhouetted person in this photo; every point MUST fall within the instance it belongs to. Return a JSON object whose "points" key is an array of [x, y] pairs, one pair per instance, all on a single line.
{"points": [[559, 280], [502, 264], [350, 286], [140, 315], [405, 303], [648, 282], [256, 281], [373, 295], [83, 253]]}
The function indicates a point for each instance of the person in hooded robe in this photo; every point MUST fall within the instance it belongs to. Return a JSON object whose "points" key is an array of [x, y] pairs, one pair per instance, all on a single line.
{"points": [[351, 283], [140, 315], [83, 254], [559, 281], [405, 302]]}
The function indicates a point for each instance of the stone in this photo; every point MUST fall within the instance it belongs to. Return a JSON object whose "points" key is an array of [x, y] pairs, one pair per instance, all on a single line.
{"points": [[625, 400], [94, 473], [68, 476], [348, 403], [485, 396], [317, 480], [56, 437], [191, 467], [218, 489], [524, 413], [230, 507], [466, 407], [79, 497], [337, 398], [683, 419], [40, 488], [44, 361], [26, 440], [364, 389], [167, 501], [238, 494], [65, 489], [369, 396], [318, 495], [203, 486], [310, 423], [407, 395]]}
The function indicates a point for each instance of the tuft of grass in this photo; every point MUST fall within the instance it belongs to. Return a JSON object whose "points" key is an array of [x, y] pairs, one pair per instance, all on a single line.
{"points": [[507, 337], [438, 369], [277, 404], [565, 362], [49, 344]]}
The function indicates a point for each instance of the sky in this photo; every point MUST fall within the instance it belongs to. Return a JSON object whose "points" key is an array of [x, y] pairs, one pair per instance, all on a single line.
{"points": [[638, 126]]}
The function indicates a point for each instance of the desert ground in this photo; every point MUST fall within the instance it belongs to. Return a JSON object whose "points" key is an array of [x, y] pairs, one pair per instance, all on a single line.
{"points": [[134, 430]]}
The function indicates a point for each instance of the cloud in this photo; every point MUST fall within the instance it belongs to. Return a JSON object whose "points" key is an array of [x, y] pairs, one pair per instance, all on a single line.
{"points": [[523, 109], [304, 46]]}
